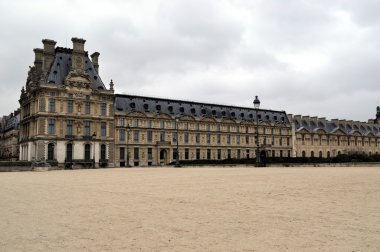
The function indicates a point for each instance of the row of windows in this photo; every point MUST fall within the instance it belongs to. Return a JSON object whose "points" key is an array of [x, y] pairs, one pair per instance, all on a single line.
{"points": [[136, 138], [69, 128], [217, 154], [338, 141], [70, 151], [70, 106], [185, 125]]}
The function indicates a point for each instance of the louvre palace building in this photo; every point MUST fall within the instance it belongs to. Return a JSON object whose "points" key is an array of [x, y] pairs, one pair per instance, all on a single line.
{"points": [[69, 115]]}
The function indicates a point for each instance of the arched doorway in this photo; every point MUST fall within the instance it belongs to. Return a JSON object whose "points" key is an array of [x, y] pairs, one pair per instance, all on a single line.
{"points": [[87, 151], [263, 157], [50, 155], [163, 156], [69, 152]]}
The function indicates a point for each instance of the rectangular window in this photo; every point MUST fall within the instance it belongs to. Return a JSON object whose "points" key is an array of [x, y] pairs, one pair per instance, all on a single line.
{"points": [[69, 127], [238, 153], [208, 154], [218, 138], [229, 154], [175, 137], [186, 154], [136, 153], [218, 128], [103, 108], [51, 105], [198, 154], [150, 136], [162, 124], [197, 126], [228, 139], [247, 154], [70, 103], [122, 153], [135, 123], [122, 135], [237, 139], [219, 154], [246, 139], [87, 128], [186, 124], [208, 127], [104, 129], [149, 124], [288, 141], [150, 156], [237, 129], [175, 154], [208, 138], [87, 105], [162, 136], [246, 129], [186, 137], [280, 141], [121, 122], [174, 125], [228, 128], [197, 138], [51, 126], [136, 136]]}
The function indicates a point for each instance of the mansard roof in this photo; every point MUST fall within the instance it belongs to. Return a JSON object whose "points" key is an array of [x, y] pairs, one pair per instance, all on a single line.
{"points": [[348, 127], [10, 122], [129, 103], [61, 67]]}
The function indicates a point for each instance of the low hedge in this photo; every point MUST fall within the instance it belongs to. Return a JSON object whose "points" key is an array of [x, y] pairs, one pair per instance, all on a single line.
{"points": [[15, 163], [24, 163], [343, 158]]}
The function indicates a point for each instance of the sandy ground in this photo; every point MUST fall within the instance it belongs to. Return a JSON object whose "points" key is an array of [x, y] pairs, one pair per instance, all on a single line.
{"points": [[191, 209]]}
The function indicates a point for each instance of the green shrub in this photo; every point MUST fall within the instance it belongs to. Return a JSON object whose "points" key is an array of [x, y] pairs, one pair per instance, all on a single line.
{"points": [[14, 163]]}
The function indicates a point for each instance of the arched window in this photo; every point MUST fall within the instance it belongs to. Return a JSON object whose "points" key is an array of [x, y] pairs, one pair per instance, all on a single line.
{"points": [[50, 151], [303, 154], [69, 152], [103, 151], [312, 154], [328, 154], [338, 152], [320, 154], [87, 151]]}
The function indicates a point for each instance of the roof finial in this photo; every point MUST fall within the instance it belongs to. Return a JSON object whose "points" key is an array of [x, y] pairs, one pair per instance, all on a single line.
{"points": [[111, 85]]}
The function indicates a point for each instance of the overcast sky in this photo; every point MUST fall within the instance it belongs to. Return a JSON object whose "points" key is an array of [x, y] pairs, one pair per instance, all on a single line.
{"points": [[318, 58]]}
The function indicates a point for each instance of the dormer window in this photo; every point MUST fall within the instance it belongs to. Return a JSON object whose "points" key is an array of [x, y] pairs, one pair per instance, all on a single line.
{"points": [[181, 109], [158, 107], [132, 105], [146, 106]]}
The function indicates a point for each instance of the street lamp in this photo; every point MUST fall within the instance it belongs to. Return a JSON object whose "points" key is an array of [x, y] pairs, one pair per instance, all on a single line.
{"points": [[256, 104], [177, 164], [128, 129], [94, 137]]}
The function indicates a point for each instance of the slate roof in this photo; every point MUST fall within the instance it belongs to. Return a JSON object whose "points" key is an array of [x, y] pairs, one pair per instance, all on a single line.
{"points": [[129, 103], [332, 127], [61, 66], [10, 122]]}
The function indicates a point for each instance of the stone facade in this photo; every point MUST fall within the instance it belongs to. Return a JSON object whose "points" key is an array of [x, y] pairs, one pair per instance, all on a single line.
{"points": [[67, 114], [65, 108], [318, 137], [9, 133]]}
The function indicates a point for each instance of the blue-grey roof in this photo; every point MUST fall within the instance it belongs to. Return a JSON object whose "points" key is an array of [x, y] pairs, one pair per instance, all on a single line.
{"points": [[348, 128], [10, 122], [129, 103], [61, 67]]}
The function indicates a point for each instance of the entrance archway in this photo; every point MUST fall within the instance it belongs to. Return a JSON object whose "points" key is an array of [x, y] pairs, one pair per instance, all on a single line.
{"points": [[263, 157], [163, 156]]}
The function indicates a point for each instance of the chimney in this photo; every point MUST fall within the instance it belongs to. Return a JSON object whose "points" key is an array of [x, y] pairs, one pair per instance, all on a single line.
{"points": [[94, 59], [48, 53], [77, 60], [38, 59]]}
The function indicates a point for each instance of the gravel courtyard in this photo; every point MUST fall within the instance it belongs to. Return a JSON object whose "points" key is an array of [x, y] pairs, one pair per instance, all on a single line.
{"points": [[191, 209]]}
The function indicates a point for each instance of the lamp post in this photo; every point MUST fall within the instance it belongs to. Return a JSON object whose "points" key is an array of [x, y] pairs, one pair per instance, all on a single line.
{"points": [[256, 104], [177, 164], [94, 137], [128, 129]]}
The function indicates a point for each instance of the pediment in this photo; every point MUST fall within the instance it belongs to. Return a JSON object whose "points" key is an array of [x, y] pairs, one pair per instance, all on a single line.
{"points": [[208, 119], [188, 118]]}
